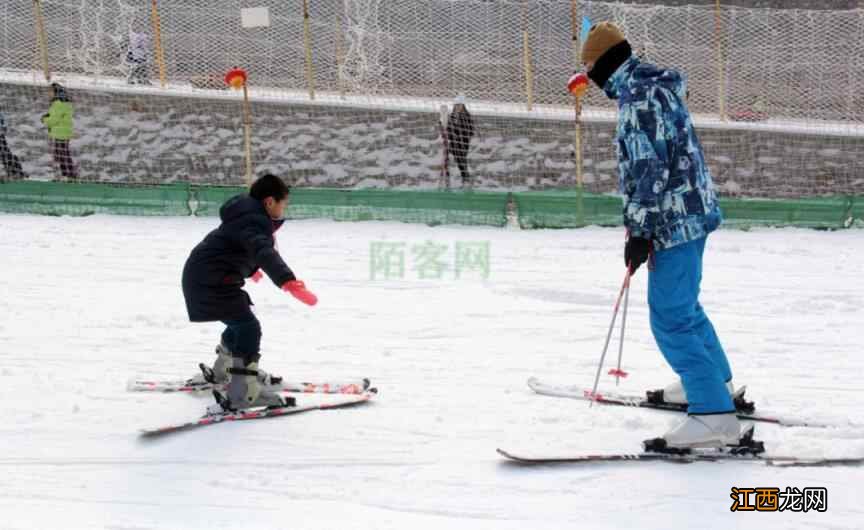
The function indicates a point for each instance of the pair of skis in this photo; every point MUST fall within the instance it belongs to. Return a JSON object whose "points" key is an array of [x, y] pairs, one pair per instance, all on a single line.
{"points": [[717, 455], [747, 450], [351, 393], [604, 398], [198, 384], [346, 394]]}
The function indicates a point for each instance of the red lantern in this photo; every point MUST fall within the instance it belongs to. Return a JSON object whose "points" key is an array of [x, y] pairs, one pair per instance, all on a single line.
{"points": [[578, 84], [236, 78]]}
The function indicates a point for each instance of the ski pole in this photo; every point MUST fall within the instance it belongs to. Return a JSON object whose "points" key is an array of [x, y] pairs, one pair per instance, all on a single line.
{"points": [[618, 372], [609, 336]]}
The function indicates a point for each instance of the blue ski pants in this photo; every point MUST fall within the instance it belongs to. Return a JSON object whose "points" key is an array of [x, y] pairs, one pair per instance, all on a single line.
{"points": [[682, 329]]}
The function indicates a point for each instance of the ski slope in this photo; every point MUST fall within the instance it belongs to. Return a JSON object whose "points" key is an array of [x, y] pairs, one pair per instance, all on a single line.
{"points": [[87, 303]]}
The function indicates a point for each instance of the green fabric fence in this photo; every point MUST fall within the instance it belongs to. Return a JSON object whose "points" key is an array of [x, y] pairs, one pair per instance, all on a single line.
{"points": [[540, 209]]}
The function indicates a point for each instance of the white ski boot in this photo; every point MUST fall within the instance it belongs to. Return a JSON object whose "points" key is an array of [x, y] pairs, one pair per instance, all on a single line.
{"points": [[245, 389], [218, 374], [705, 430], [224, 360], [674, 394]]}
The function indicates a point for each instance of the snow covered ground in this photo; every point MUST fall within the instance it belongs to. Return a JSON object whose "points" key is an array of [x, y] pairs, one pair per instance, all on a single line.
{"points": [[86, 303]]}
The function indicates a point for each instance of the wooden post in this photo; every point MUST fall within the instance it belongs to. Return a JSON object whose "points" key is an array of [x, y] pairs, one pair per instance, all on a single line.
{"points": [[574, 30], [721, 67], [577, 146], [42, 38], [157, 40], [529, 73], [307, 44], [340, 84], [575, 27], [578, 141], [247, 134], [526, 58]]}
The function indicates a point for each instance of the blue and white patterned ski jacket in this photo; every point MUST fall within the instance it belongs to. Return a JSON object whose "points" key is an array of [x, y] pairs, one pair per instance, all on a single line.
{"points": [[668, 192]]}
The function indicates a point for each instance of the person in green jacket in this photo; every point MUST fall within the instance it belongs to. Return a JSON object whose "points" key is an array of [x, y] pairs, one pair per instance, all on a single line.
{"points": [[59, 123]]}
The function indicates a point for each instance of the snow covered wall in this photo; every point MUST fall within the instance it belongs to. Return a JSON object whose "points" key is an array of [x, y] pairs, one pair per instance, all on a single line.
{"points": [[149, 136]]}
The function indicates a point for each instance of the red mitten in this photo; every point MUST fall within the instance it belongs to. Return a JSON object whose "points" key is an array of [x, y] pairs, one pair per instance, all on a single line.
{"points": [[256, 276], [298, 290]]}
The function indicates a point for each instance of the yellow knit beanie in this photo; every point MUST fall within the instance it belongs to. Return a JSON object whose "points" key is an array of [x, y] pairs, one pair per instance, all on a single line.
{"points": [[601, 38]]}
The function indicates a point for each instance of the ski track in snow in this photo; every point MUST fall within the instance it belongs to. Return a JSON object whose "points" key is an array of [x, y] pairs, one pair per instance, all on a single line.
{"points": [[86, 303]]}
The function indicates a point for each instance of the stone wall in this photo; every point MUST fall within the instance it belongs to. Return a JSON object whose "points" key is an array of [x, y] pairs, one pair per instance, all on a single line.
{"points": [[157, 139]]}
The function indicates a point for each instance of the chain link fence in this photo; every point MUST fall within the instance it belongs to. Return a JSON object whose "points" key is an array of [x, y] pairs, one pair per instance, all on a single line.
{"points": [[348, 93], [744, 64]]}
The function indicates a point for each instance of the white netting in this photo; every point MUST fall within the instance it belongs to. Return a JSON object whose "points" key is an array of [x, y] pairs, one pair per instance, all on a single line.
{"points": [[777, 94], [103, 29], [751, 62], [360, 68]]}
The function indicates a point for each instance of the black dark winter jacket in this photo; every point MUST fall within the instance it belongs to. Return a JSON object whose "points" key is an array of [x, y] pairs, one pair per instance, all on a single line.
{"points": [[460, 129], [214, 273]]}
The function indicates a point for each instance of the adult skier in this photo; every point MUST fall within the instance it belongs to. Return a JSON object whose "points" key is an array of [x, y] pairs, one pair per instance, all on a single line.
{"points": [[670, 207]]}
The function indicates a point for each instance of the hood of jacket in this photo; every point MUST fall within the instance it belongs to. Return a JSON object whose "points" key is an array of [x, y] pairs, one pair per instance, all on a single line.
{"points": [[243, 205], [634, 76]]}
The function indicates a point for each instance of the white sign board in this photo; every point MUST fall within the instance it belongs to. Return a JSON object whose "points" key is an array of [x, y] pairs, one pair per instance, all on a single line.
{"points": [[255, 17]]}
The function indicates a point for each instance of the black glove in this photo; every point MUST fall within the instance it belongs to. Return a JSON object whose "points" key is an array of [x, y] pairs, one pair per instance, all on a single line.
{"points": [[636, 252]]}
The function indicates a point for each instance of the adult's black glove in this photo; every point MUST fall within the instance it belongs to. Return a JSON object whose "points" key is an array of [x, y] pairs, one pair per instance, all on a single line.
{"points": [[636, 252]]}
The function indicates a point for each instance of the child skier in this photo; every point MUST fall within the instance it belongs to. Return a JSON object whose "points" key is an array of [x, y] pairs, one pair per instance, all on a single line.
{"points": [[213, 278], [670, 207]]}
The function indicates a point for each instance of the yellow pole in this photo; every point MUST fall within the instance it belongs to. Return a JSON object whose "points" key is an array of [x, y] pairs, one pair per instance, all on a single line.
{"points": [[529, 73], [577, 133], [340, 85], [157, 39], [42, 38], [574, 29], [526, 58], [307, 43], [721, 68], [578, 142], [247, 134]]}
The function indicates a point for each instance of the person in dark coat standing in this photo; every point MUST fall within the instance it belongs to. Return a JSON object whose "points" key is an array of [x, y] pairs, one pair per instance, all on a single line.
{"points": [[460, 129], [10, 162], [213, 280]]}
